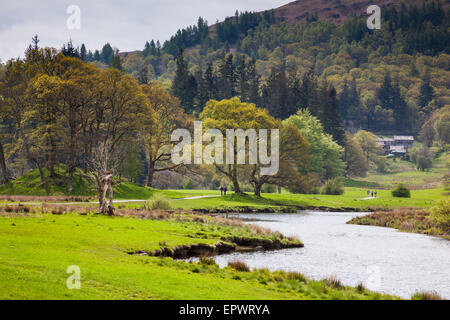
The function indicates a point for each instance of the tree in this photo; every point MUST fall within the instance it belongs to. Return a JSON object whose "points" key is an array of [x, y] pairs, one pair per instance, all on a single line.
{"points": [[184, 85], [426, 91], [164, 116], [107, 53], [83, 53], [116, 115], [368, 143], [234, 114], [325, 154], [226, 77], [71, 91], [294, 158], [116, 62], [331, 116], [442, 126], [357, 165]]}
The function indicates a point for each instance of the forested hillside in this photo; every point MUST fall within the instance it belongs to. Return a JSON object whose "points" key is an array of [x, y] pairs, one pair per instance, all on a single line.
{"points": [[332, 83], [387, 80]]}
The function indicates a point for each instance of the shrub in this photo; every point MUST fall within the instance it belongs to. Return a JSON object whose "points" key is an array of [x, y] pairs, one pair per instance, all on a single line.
{"points": [[401, 191], [334, 186], [269, 188], [381, 164], [207, 261], [360, 287], [426, 296], [188, 185], [159, 202], [424, 163], [334, 283], [239, 266], [440, 213]]}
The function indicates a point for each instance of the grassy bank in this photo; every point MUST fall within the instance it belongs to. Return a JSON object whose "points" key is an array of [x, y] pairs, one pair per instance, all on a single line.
{"points": [[352, 200], [36, 250], [407, 220]]}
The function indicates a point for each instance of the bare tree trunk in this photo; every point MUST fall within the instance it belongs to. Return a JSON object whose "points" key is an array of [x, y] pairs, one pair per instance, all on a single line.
{"points": [[237, 188], [41, 172], [257, 188], [104, 185], [110, 208], [4, 171], [70, 181], [150, 174]]}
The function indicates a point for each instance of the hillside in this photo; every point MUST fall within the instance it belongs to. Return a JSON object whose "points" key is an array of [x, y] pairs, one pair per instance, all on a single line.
{"points": [[336, 11], [30, 185]]}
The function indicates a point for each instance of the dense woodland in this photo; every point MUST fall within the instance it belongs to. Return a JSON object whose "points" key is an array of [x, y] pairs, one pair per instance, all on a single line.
{"points": [[109, 115], [386, 81]]}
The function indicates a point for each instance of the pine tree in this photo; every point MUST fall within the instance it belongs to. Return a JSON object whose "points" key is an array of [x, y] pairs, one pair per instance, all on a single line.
{"points": [[116, 62], [401, 110], [331, 116], [385, 93], [184, 85], [242, 80], [83, 52], [226, 77], [254, 83], [426, 91]]}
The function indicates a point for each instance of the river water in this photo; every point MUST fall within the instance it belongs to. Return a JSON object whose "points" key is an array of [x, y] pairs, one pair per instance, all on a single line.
{"points": [[384, 259]]}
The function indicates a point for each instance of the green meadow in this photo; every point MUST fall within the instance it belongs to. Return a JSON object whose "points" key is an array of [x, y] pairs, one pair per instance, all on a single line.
{"points": [[37, 250]]}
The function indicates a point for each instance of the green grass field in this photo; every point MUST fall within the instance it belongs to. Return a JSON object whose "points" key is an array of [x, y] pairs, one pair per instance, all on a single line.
{"points": [[37, 249], [352, 199], [401, 171]]}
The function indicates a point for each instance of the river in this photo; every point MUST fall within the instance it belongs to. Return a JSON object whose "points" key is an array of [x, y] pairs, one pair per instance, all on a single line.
{"points": [[384, 259]]}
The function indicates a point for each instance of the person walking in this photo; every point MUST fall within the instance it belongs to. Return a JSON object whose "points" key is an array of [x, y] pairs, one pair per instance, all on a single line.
{"points": [[221, 191], [372, 194], [376, 194], [225, 190], [368, 193]]}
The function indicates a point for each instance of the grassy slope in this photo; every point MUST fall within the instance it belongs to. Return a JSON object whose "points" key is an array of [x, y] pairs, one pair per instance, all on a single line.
{"points": [[405, 172], [351, 199], [30, 184], [35, 256]]}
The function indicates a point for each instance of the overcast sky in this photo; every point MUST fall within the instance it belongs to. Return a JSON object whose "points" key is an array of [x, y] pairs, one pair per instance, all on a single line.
{"points": [[126, 24]]}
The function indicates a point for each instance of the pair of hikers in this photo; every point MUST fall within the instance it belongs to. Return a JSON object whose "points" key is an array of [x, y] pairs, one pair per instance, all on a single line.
{"points": [[223, 191], [372, 194]]}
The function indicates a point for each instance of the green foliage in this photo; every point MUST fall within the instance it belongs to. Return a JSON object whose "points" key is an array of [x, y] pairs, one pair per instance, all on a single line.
{"points": [[325, 154], [424, 163], [334, 186], [188, 185], [159, 202], [354, 158], [401, 191], [440, 213]]}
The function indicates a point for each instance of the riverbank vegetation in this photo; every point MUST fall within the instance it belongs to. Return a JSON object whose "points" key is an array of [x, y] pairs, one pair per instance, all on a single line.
{"points": [[431, 222], [35, 258]]}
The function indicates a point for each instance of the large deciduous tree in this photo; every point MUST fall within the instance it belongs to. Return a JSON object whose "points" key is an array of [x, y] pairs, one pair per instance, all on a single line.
{"points": [[163, 116]]}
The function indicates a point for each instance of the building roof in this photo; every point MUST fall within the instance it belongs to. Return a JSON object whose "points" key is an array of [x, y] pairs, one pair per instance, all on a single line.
{"points": [[398, 149], [404, 138], [386, 139]]}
